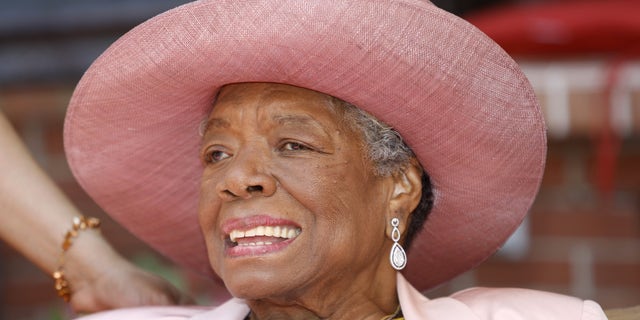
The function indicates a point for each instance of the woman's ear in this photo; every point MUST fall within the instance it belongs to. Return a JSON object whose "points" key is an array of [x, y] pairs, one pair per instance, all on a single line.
{"points": [[405, 195]]}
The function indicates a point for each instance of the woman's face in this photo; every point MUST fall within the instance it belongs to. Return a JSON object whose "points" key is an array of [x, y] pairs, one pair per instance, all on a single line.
{"points": [[288, 201]]}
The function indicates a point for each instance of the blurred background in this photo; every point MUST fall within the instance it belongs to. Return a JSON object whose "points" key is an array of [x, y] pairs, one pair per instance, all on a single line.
{"points": [[582, 57]]}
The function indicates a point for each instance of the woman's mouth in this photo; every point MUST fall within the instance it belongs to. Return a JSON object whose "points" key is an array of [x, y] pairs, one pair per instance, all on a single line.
{"points": [[259, 240], [263, 235]]}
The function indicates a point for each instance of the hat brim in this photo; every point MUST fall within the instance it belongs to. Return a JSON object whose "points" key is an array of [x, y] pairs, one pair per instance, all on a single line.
{"points": [[460, 102]]}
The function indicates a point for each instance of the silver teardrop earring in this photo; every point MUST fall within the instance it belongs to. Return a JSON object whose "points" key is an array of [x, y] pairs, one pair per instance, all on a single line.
{"points": [[397, 257]]}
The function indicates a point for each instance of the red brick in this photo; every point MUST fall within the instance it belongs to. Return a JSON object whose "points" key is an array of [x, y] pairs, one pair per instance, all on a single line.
{"points": [[42, 102], [586, 223], [622, 275], [26, 294], [628, 169], [635, 102], [586, 109], [603, 250], [53, 138], [554, 171], [523, 273]]}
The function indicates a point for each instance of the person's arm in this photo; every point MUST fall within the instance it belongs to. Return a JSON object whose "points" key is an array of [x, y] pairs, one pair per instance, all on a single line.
{"points": [[35, 216]]}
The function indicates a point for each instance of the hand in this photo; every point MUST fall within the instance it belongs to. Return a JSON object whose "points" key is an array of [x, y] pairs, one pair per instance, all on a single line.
{"points": [[98, 276], [123, 285]]}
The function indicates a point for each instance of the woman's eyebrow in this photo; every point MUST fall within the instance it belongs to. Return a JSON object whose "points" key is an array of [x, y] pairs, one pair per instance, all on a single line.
{"points": [[295, 119], [216, 123], [299, 120], [287, 119]]}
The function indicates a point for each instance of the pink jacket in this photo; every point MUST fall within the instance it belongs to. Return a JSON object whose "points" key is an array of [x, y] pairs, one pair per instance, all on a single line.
{"points": [[470, 304]]}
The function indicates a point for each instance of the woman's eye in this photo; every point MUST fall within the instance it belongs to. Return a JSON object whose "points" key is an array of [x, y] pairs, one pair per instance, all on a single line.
{"points": [[215, 156], [294, 146]]}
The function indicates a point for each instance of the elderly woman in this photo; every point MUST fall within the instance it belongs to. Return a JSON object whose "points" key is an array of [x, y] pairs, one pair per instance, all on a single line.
{"points": [[297, 149]]}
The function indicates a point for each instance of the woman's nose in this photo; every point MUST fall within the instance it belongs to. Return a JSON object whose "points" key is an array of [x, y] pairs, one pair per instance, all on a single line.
{"points": [[246, 176]]}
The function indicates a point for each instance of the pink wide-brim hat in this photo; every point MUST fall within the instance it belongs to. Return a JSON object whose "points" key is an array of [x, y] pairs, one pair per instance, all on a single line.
{"points": [[459, 101]]}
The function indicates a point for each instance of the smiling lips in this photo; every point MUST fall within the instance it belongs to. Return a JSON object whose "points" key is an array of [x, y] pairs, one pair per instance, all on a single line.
{"points": [[258, 235], [263, 235]]}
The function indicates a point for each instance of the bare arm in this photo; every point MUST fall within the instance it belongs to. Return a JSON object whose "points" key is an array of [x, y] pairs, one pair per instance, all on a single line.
{"points": [[35, 215]]}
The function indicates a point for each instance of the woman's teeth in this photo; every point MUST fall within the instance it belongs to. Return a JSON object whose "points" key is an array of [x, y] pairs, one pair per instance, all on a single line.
{"points": [[283, 232]]}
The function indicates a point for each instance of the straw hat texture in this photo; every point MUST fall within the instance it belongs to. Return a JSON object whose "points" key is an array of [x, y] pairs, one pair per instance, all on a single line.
{"points": [[459, 101]]}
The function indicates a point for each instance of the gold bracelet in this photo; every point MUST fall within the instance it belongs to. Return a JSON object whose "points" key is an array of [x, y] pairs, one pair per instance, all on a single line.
{"points": [[79, 223]]}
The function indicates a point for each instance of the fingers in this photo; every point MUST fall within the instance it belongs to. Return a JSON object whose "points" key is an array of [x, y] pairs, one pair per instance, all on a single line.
{"points": [[128, 287]]}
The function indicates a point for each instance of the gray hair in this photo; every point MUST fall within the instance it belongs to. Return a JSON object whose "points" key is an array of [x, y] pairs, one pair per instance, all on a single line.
{"points": [[389, 154], [383, 144]]}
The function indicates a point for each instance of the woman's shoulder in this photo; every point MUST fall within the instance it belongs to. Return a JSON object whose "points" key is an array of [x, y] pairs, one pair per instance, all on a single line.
{"points": [[496, 304], [517, 303]]}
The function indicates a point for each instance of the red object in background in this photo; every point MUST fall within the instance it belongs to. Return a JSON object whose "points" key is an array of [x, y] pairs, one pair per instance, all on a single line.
{"points": [[573, 29], [560, 28], [608, 147]]}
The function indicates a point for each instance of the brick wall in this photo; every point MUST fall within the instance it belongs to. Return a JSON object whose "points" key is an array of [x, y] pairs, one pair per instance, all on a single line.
{"points": [[582, 236], [577, 243], [575, 240]]}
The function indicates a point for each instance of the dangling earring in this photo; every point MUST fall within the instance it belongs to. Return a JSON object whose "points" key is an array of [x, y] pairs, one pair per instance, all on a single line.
{"points": [[397, 257]]}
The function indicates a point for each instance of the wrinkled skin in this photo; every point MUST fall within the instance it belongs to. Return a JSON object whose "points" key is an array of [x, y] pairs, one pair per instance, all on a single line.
{"points": [[278, 155]]}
